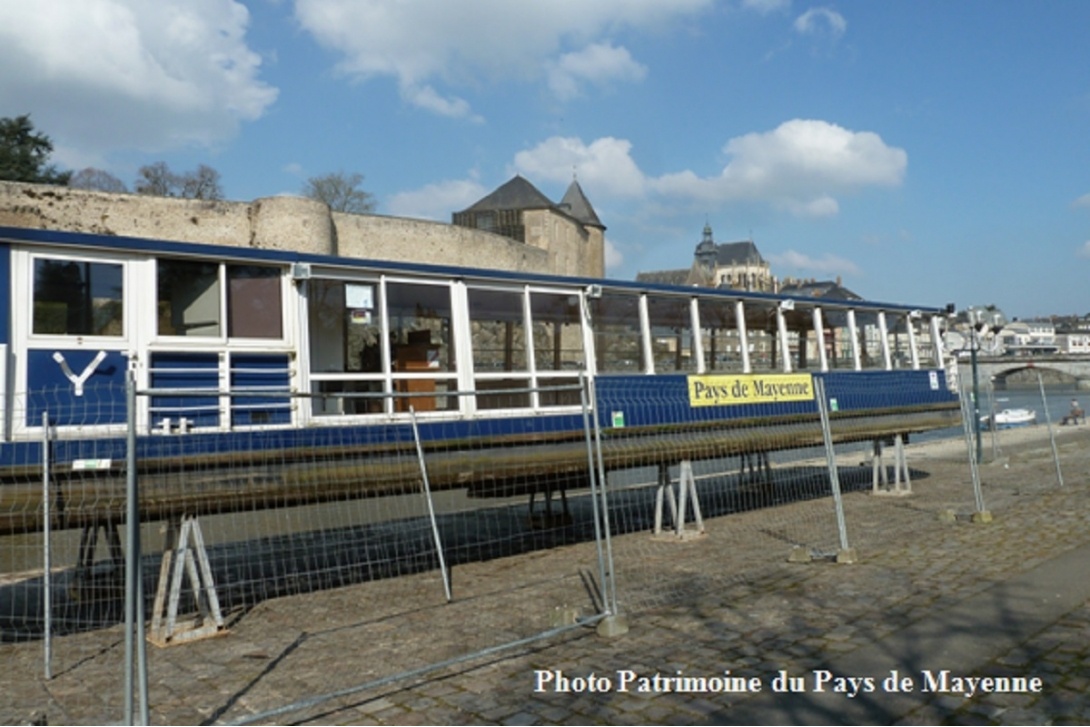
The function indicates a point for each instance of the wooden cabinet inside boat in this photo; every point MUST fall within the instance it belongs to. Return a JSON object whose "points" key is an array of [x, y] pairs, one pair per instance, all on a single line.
{"points": [[415, 359]]}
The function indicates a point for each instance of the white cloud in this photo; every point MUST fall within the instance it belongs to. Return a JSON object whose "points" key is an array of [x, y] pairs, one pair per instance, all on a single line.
{"points": [[1084, 251], [436, 201], [605, 164], [428, 98], [433, 43], [798, 166], [821, 22], [614, 257], [801, 167], [823, 206], [99, 75], [803, 263], [598, 64], [1083, 201], [766, 6], [809, 151]]}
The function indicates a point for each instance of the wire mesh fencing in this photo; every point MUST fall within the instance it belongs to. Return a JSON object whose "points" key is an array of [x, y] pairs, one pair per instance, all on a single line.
{"points": [[814, 484], [391, 546], [1008, 420], [695, 506], [409, 514], [62, 586]]}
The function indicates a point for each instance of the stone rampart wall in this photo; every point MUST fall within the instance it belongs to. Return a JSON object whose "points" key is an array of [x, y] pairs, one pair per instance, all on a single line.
{"points": [[281, 223], [408, 240]]}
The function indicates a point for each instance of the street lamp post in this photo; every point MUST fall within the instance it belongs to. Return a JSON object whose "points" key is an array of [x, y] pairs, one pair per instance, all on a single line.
{"points": [[993, 319]]}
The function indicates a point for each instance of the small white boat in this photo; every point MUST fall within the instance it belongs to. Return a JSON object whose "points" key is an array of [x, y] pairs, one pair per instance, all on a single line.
{"points": [[1010, 418]]}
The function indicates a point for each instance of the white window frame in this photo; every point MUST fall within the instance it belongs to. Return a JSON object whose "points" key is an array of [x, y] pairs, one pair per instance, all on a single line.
{"points": [[24, 340]]}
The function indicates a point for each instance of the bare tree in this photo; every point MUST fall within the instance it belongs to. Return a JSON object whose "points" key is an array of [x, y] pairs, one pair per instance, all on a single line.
{"points": [[201, 184], [341, 192], [98, 180], [158, 180]]}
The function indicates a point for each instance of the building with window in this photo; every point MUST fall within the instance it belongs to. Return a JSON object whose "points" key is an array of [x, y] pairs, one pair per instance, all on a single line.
{"points": [[570, 231], [1026, 338], [736, 265]]}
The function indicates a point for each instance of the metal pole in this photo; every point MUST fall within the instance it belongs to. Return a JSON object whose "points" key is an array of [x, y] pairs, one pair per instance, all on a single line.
{"points": [[605, 502], [966, 412], [47, 579], [830, 456], [594, 485], [431, 506], [991, 413], [417, 672], [134, 594], [976, 399], [1051, 431], [130, 562]]}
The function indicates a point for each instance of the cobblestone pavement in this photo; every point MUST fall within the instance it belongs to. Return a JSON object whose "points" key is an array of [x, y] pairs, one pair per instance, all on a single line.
{"points": [[934, 601]]}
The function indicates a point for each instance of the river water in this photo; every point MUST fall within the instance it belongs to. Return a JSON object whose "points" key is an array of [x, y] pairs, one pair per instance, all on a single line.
{"points": [[1057, 399]]}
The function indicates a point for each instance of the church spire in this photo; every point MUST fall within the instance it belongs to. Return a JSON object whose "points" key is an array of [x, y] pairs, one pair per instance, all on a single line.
{"points": [[706, 252]]}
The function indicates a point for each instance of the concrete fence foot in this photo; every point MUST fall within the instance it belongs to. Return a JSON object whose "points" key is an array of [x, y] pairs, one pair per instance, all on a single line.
{"points": [[613, 626]]}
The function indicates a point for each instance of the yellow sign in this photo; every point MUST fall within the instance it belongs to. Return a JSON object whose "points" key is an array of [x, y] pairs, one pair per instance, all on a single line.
{"points": [[749, 389]]}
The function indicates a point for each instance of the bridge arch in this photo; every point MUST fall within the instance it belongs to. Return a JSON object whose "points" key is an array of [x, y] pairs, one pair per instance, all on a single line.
{"points": [[1001, 370]]}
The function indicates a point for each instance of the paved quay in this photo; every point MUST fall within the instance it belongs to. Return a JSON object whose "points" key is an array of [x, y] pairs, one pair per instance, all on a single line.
{"points": [[934, 606]]}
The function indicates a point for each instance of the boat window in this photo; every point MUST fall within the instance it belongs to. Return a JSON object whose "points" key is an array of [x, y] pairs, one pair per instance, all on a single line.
{"points": [[719, 335], [498, 334], [762, 339], [556, 321], [558, 332], [344, 329], [900, 346], [925, 342], [422, 342], [78, 298], [801, 341], [671, 333], [838, 338], [618, 340], [420, 327], [870, 340], [498, 330], [188, 298], [345, 335], [254, 302]]}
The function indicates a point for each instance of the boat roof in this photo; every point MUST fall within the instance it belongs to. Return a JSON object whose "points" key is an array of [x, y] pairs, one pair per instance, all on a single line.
{"points": [[59, 238]]}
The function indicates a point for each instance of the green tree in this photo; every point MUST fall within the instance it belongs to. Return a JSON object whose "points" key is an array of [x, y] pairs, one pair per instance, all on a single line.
{"points": [[24, 153], [341, 192]]}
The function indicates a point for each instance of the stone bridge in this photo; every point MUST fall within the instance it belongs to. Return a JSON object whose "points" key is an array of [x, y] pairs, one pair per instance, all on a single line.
{"points": [[1053, 369]]}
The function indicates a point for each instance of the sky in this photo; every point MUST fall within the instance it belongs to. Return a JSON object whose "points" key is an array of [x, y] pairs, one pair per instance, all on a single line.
{"points": [[925, 151]]}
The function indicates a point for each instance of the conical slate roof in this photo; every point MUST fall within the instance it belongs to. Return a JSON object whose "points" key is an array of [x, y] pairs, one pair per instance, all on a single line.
{"points": [[517, 193], [577, 205]]}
